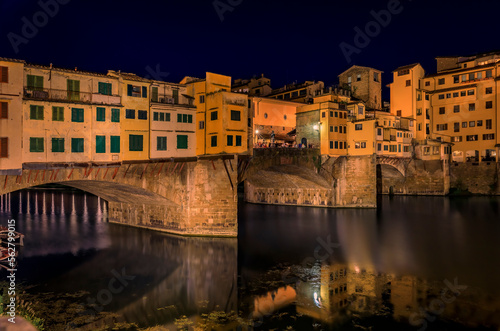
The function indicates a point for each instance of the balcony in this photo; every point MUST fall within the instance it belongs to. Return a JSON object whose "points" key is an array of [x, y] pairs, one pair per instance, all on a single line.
{"points": [[71, 96]]}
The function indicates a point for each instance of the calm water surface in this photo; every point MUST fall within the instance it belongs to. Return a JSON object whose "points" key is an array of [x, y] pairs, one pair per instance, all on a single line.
{"points": [[415, 263]]}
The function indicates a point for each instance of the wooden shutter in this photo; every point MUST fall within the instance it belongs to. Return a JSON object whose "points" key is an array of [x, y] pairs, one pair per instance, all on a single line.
{"points": [[4, 74], [38, 83], [4, 147], [115, 144], [144, 92], [130, 89], [100, 144], [4, 110], [154, 94]]}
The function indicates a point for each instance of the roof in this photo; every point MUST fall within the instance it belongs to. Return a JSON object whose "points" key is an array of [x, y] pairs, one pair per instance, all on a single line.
{"points": [[6, 59], [459, 70], [409, 66], [128, 76], [73, 71], [361, 67]]}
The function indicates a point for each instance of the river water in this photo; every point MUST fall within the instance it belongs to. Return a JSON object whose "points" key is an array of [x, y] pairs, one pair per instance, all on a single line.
{"points": [[415, 263]]}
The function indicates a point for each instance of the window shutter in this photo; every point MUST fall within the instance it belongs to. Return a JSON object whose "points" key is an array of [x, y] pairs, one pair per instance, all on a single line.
{"points": [[31, 81], [182, 142], [4, 147], [4, 110], [115, 144], [144, 92], [129, 90], [100, 144], [55, 116], [38, 82], [4, 75], [101, 88], [154, 94], [179, 118]]}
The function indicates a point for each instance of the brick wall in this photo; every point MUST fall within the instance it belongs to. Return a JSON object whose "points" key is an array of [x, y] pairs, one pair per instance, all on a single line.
{"points": [[478, 178]]}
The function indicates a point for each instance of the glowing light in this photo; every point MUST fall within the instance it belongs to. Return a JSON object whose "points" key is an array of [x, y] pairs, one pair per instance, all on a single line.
{"points": [[257, 131], [316, 127]]}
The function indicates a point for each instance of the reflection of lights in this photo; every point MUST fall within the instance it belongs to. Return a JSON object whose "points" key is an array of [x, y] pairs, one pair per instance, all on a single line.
{"points": [[356, 268], [316, 127], [317, 300], [257, 131]]}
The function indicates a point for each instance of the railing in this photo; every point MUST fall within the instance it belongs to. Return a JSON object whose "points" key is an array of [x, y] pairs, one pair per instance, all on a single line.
{"points": [[70, 96]]}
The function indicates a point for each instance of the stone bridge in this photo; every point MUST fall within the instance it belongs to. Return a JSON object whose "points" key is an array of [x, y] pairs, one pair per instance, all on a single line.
{"points": [[302, 177], [400, 163], [190, 196]]}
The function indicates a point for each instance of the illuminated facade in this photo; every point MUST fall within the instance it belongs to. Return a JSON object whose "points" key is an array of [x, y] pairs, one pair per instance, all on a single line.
{"points": [[365, 84], [253, 87], [298, 92]]}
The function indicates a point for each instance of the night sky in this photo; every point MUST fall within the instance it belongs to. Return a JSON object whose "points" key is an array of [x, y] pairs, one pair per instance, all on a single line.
{"points": [[286, 40]]}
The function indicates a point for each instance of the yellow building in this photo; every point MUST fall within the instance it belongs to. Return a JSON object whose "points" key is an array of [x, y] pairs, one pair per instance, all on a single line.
{"points": [[172, 121], [11, 91], [323, 124], [134, 119], [272, 116], [69, 116], [253, 87], [221, 115]]}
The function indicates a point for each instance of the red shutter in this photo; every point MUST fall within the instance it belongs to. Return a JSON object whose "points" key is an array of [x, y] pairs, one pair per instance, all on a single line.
{"points": [[4, 77], [4, 113], [4, 143]]}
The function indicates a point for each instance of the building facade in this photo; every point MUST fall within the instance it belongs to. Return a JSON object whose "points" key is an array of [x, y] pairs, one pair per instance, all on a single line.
{"points": [[365, 84]]}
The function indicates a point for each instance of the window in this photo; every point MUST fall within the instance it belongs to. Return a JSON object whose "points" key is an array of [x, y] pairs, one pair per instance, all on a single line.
{"points": [[463, 93], [427, 83], [456, 127], [202, 99], [58, 114], [213, 116], [337, 114], [323, 114], [419, 127], [441, 110], [408, 82], [472, 76], [77, 115], [472, 124], [336, 129], [488, 125], [4, 110], [419, 97], [489, 136], [331, 128], [480, 123], [201, 125], [479, 75], [4, 74], [154, 93], [489, 104], [36, 112], [470, 92], [105, 88], [441, 96], [455, 94], [336, 145], [419, 111], [464, 125], [130, 113], [134, 91], [360, 110], [144, 92], [302, 92], [427, 150], [115, 115], [471, 137], [213, 141], [76, 145], [295, 94], [456, 79], [427, 97], [331, 144], [238, 140], [142, 114], [230, 140], [448, 95], [57, 145], [184, 118], [472, 106], [403, 72], [464, 78], [155, 116], [358, 127], [489, 73], [100, 144], [34, 82], [456, 108], [375, 77], [441, 81], [358, 78], [4, 147], [489, 90], [36, 145], [457, 139], [100, 114], [398, 113], [235, 115], [115, 144], [161, 143], [363, 144], [441, 127], [73, 90], [135, 143], [357, 145]]}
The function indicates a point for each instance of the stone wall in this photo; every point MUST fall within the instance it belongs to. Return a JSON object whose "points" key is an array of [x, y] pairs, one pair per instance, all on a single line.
{"points": [[421, 178], [305, 128], [476, 178]]}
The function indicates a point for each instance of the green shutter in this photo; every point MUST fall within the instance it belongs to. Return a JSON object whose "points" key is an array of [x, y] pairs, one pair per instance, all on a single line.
{"points": [[58, 145], [144, 92], [130, 88], [179, 118], [36, 145], [73, 90], [135, 143], [175, 94], [190, 118], [77, 145], [184, 118], [115, 115], [115, 144], [182, 142], [58, 114], [31, 82], [36, 112], [155, 116], [100, 114], [100, 144], [161, 143], [77, 115], [154, 94], [238, 140], [230, 140]]}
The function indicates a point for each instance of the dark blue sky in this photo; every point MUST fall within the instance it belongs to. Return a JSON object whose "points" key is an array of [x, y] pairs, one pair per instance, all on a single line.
{"points": [[287, 40]]}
